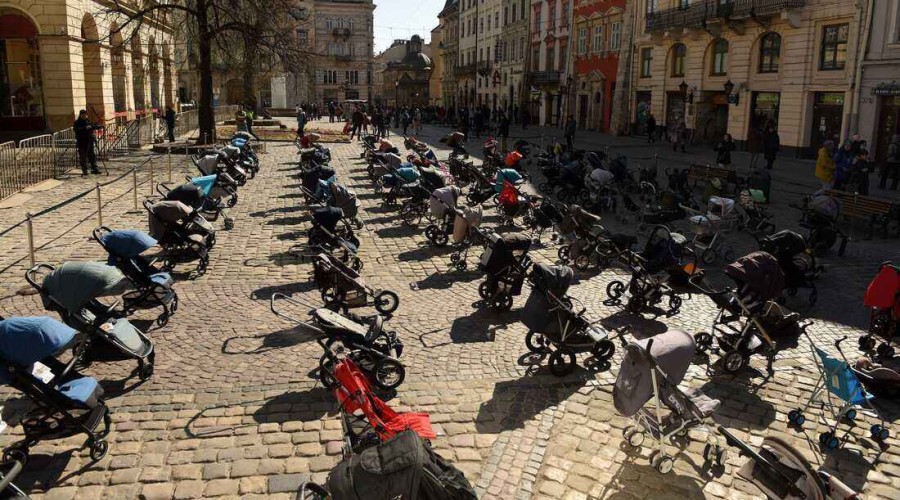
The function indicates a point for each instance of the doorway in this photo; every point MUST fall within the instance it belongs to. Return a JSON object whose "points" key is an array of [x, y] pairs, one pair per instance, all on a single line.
{"points": [[828, 114], [583, 111], [888, 125]]}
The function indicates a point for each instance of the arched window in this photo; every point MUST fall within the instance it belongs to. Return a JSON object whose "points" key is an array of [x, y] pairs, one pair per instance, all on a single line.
{"points": [[769, 53], [679, 54], [719, 57]]}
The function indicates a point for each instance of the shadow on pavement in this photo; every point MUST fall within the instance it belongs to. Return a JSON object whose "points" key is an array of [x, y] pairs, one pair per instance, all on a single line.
{"points": [[281, 210], [266, 292], [515, 402], [402, 231], [635, 325], [443, 281], [481, 325], [740, 403], [302, 406], [43, 472], [259, 344]]}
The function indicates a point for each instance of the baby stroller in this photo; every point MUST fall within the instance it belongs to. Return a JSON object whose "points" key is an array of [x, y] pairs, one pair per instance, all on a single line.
{"points": [[72, 290], [466, 233], [443, 208], [755, 217], [883, 297], [224, 187], [174, 226], [220, 161], [837, 379], [575, 229], [720, 217], [820, 216], [505, 262], [797, 261], [65, 402], [331, 232], [348, 336], [545, 214], [513, 204], [748, 314], [153, 286], [346, 200], [401, 183], [196, 194], [651, 370], [554, 325], [342, 287]]}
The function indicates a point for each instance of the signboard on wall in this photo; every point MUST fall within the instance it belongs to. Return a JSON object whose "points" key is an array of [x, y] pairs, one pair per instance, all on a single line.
{"points": [[887, 89]]}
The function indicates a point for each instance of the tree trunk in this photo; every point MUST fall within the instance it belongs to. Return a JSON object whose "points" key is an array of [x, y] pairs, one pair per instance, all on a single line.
{"points": [[207, 117], [248, 70]]}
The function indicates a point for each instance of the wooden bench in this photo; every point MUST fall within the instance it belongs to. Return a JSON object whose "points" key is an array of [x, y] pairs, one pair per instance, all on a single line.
{"points": [[698, 172], [875, 211]]}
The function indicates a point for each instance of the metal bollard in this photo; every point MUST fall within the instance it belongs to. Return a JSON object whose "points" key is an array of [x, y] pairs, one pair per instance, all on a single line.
{"points": [[169, 163], [134, 187], [151, 176], [30, 228], [99, 207]]}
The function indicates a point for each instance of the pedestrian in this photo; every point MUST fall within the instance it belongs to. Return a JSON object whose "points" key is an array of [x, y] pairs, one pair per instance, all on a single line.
{"points": [[417, 121], [754, 146], [825, 164], [503, 131], [250, 116], [891, 167], [302, 118], [84, 142], [857, 144], [571, 125], [170, 123], [771, 146], [723, 151], [843, 163], [240, 119], [860, 172], [356, 120], [651, 129], [678, 136]]}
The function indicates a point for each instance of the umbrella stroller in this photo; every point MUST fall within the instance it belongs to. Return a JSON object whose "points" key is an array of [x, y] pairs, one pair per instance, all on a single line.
{"points": [[554, 324], [797, 261], [844, 393], [153, 286], [219, 161], [65, 402], [72, 290], [883, 298], [748, 314], [505, 262], [651, 371], [331, 232], [342, 287], [174, 226]]}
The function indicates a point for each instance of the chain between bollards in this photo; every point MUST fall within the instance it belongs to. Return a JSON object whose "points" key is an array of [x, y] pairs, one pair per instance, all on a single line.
{"points": [[99, 207], [29, 226]]}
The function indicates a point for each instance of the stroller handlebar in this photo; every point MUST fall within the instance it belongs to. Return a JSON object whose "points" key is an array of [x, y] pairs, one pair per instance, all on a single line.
{"points": [[17, 465]]}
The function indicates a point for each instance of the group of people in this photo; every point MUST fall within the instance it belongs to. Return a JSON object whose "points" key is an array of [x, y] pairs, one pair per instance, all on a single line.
{"points": [[243, 119], [848, 167]]}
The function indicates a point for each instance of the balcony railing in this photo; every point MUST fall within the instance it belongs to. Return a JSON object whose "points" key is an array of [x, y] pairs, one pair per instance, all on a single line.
{"points": [[698, 13], [343, 57], [344, 32], [545, 77]]}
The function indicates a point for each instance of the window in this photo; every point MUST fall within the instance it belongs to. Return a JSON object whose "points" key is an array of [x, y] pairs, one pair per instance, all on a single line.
{"points": [[719, 57], [329, 77], [564, 20], [329, 23], [506, 14], [684, 4], [514, 13], [551, 19], [562, 57], [522, 47], [834, 47], [551, 58], [481, 54], [597, 45], [352, 77], [537, 18], [679, 53], [652, 6], [582, 40], [615, 36], [481, 25], [769, 53], [646, 61], [496, 20], [302, 37]]}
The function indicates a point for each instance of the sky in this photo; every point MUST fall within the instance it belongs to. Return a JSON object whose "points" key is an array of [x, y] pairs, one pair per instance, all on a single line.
{"points": [[404, 18]]}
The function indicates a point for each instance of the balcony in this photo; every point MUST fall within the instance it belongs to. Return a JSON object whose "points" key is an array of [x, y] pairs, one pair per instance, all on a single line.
{"points": [[545, 77], [343, 58], [700, 13], [466, 70], [483, 68], [341, 32]]}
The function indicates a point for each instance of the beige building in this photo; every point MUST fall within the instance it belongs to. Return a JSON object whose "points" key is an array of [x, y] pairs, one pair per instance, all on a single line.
{"points": [[879, 96], [60, 56], [437, 66], [406, 82], [513, 92], [343, 39], [448, 52], [729, 66]]}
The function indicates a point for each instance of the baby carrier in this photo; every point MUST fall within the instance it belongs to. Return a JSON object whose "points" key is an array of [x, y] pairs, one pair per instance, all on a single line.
{"points": [[883, 298], [796, 260], [342, 287], [181, 233], [65, 402], [505, 262], [72, 290], [555, 324], [153, 286]]}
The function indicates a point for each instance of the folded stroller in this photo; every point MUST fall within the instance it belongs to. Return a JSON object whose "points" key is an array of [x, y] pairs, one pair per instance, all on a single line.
{"points": [[332, 233], [797, 262], [749, 315], [505, 262], [555, 327], [361, 339], [153, 286], [72, 290], [651, 370], [342, 288], [65, 402], [883, 298], [175, 227], [838, 380]]}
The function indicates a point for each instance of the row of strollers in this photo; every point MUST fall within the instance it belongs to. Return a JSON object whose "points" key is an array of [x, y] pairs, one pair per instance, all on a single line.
{"points": [[95, 299]]}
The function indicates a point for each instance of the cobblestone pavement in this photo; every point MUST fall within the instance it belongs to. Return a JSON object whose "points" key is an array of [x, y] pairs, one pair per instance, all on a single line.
{"points": [[232, 411]]}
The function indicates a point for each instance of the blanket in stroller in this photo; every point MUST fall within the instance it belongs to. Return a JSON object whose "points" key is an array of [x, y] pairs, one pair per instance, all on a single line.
{"points": [[443, 199], [470, 218]]}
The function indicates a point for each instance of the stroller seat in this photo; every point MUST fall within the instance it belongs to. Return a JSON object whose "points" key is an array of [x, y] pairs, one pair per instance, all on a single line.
{"points": [[85, 391], [334, 320], [704, 406]]}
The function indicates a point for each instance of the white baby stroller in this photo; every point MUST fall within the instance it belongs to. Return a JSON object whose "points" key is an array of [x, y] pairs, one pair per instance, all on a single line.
{"points": [[720, 217], [651, 370]]}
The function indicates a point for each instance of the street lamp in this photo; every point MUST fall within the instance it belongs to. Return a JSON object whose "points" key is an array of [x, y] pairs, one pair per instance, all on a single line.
{"points": [[729, 91], [683, 87]]}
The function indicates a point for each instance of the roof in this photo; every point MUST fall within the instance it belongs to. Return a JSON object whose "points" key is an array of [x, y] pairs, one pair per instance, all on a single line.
{"points": [[416, 60]]}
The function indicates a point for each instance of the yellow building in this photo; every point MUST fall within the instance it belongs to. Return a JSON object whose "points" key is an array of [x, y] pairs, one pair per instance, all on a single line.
{"points": [[729, 66], [60, 56], [437, 67]]}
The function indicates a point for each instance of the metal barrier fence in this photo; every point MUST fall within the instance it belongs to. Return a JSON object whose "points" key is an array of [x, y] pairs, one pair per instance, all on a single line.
{"points": [[187, 123], [8, 183], [66, 149], [35, 160]]}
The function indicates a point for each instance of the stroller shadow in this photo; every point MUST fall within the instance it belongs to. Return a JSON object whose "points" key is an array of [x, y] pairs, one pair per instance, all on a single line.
{"points": [[282, 210], [303, 406], [443, 281], [480, 326], [292, 235], [740, 404], [291, 195], [380, 209], [418, 254], [278, 259], [383, 219], [266, 292], [402, 231], [854, 467], [43, 472], [629, 483], [288, 221], [637, 326], [280, 339], [515, 402]]}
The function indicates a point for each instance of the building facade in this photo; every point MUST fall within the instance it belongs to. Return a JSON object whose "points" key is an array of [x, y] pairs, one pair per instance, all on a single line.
{"points": [[550, 84], [736, 66], [513, 90], [480, 29], [596, 44], [61, 56], [437, 66], [395, 53], [343, 40], [448, 51], [879, 99], [407, 82]]}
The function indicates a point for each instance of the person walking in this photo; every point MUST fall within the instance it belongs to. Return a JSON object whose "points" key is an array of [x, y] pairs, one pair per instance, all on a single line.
{"points": [[503, 132], [723, 151], [571, 125], [825, 164], [240, 119], [651, 129], [356, 120], [771, 146], [170, 123], [250, 116], [754, 146], [417, 121], [891, 166], [84, 142], [843, 162], [860, 172], [302, 118], [678, 136]]}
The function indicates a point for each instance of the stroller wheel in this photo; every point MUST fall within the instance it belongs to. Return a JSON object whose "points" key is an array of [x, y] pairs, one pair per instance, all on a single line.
{"points": [[603, 350], [145, 371], [162, 320], [461, 265], [232, 201], [828, 440], [704, 341], [388, 373], [16, 452], [885, 351], [615, 290], [440, 239], [729, 255], [98, 450], [583, 262], [229, 223], [484, 290], [796, 417], [662, 463], [734, 361], [674, 305], [536, 342], [562, 362], [503, 303], [386, 302], [878, 433], [563, 253], [634, 436], [708, 256], [850, 416]]}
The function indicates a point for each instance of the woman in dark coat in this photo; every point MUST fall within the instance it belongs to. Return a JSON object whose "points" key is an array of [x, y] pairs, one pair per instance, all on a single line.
{"points": [[771, 145], [723, 150]]}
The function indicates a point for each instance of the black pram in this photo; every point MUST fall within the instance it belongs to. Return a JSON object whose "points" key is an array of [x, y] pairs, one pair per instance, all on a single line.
{"points": [[505, 262], [176, 227], [797, 262]]}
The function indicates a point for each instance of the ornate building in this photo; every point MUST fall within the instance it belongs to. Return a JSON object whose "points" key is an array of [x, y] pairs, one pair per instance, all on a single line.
{"points": [[513, 91], [437, 69], [406, 83], [597, 41], [449, 52], [549, 60], [879, 94], [343, 39]]}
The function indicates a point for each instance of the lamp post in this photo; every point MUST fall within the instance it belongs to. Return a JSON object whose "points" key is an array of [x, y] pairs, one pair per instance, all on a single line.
{"points": [[729, 92]]}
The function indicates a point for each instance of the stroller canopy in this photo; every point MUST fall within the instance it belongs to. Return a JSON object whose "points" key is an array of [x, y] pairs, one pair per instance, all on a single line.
{"points": [[127, 243], [344, 199], [205, 184], [760, 271], [408, 173], [75, 283], [884, 291], [783, 244], [26, 340], [553, 279], [192, 193], [672, 351], [166, 213], [328, 217], [508, 175], [443, 198], [663, 249], [721, 207], [515, 242]]}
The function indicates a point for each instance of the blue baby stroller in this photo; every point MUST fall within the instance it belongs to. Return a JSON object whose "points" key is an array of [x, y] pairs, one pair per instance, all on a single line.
{"points": [[224, 187], [401, 183], [844, 393], [153, 286], [65, 403]]}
